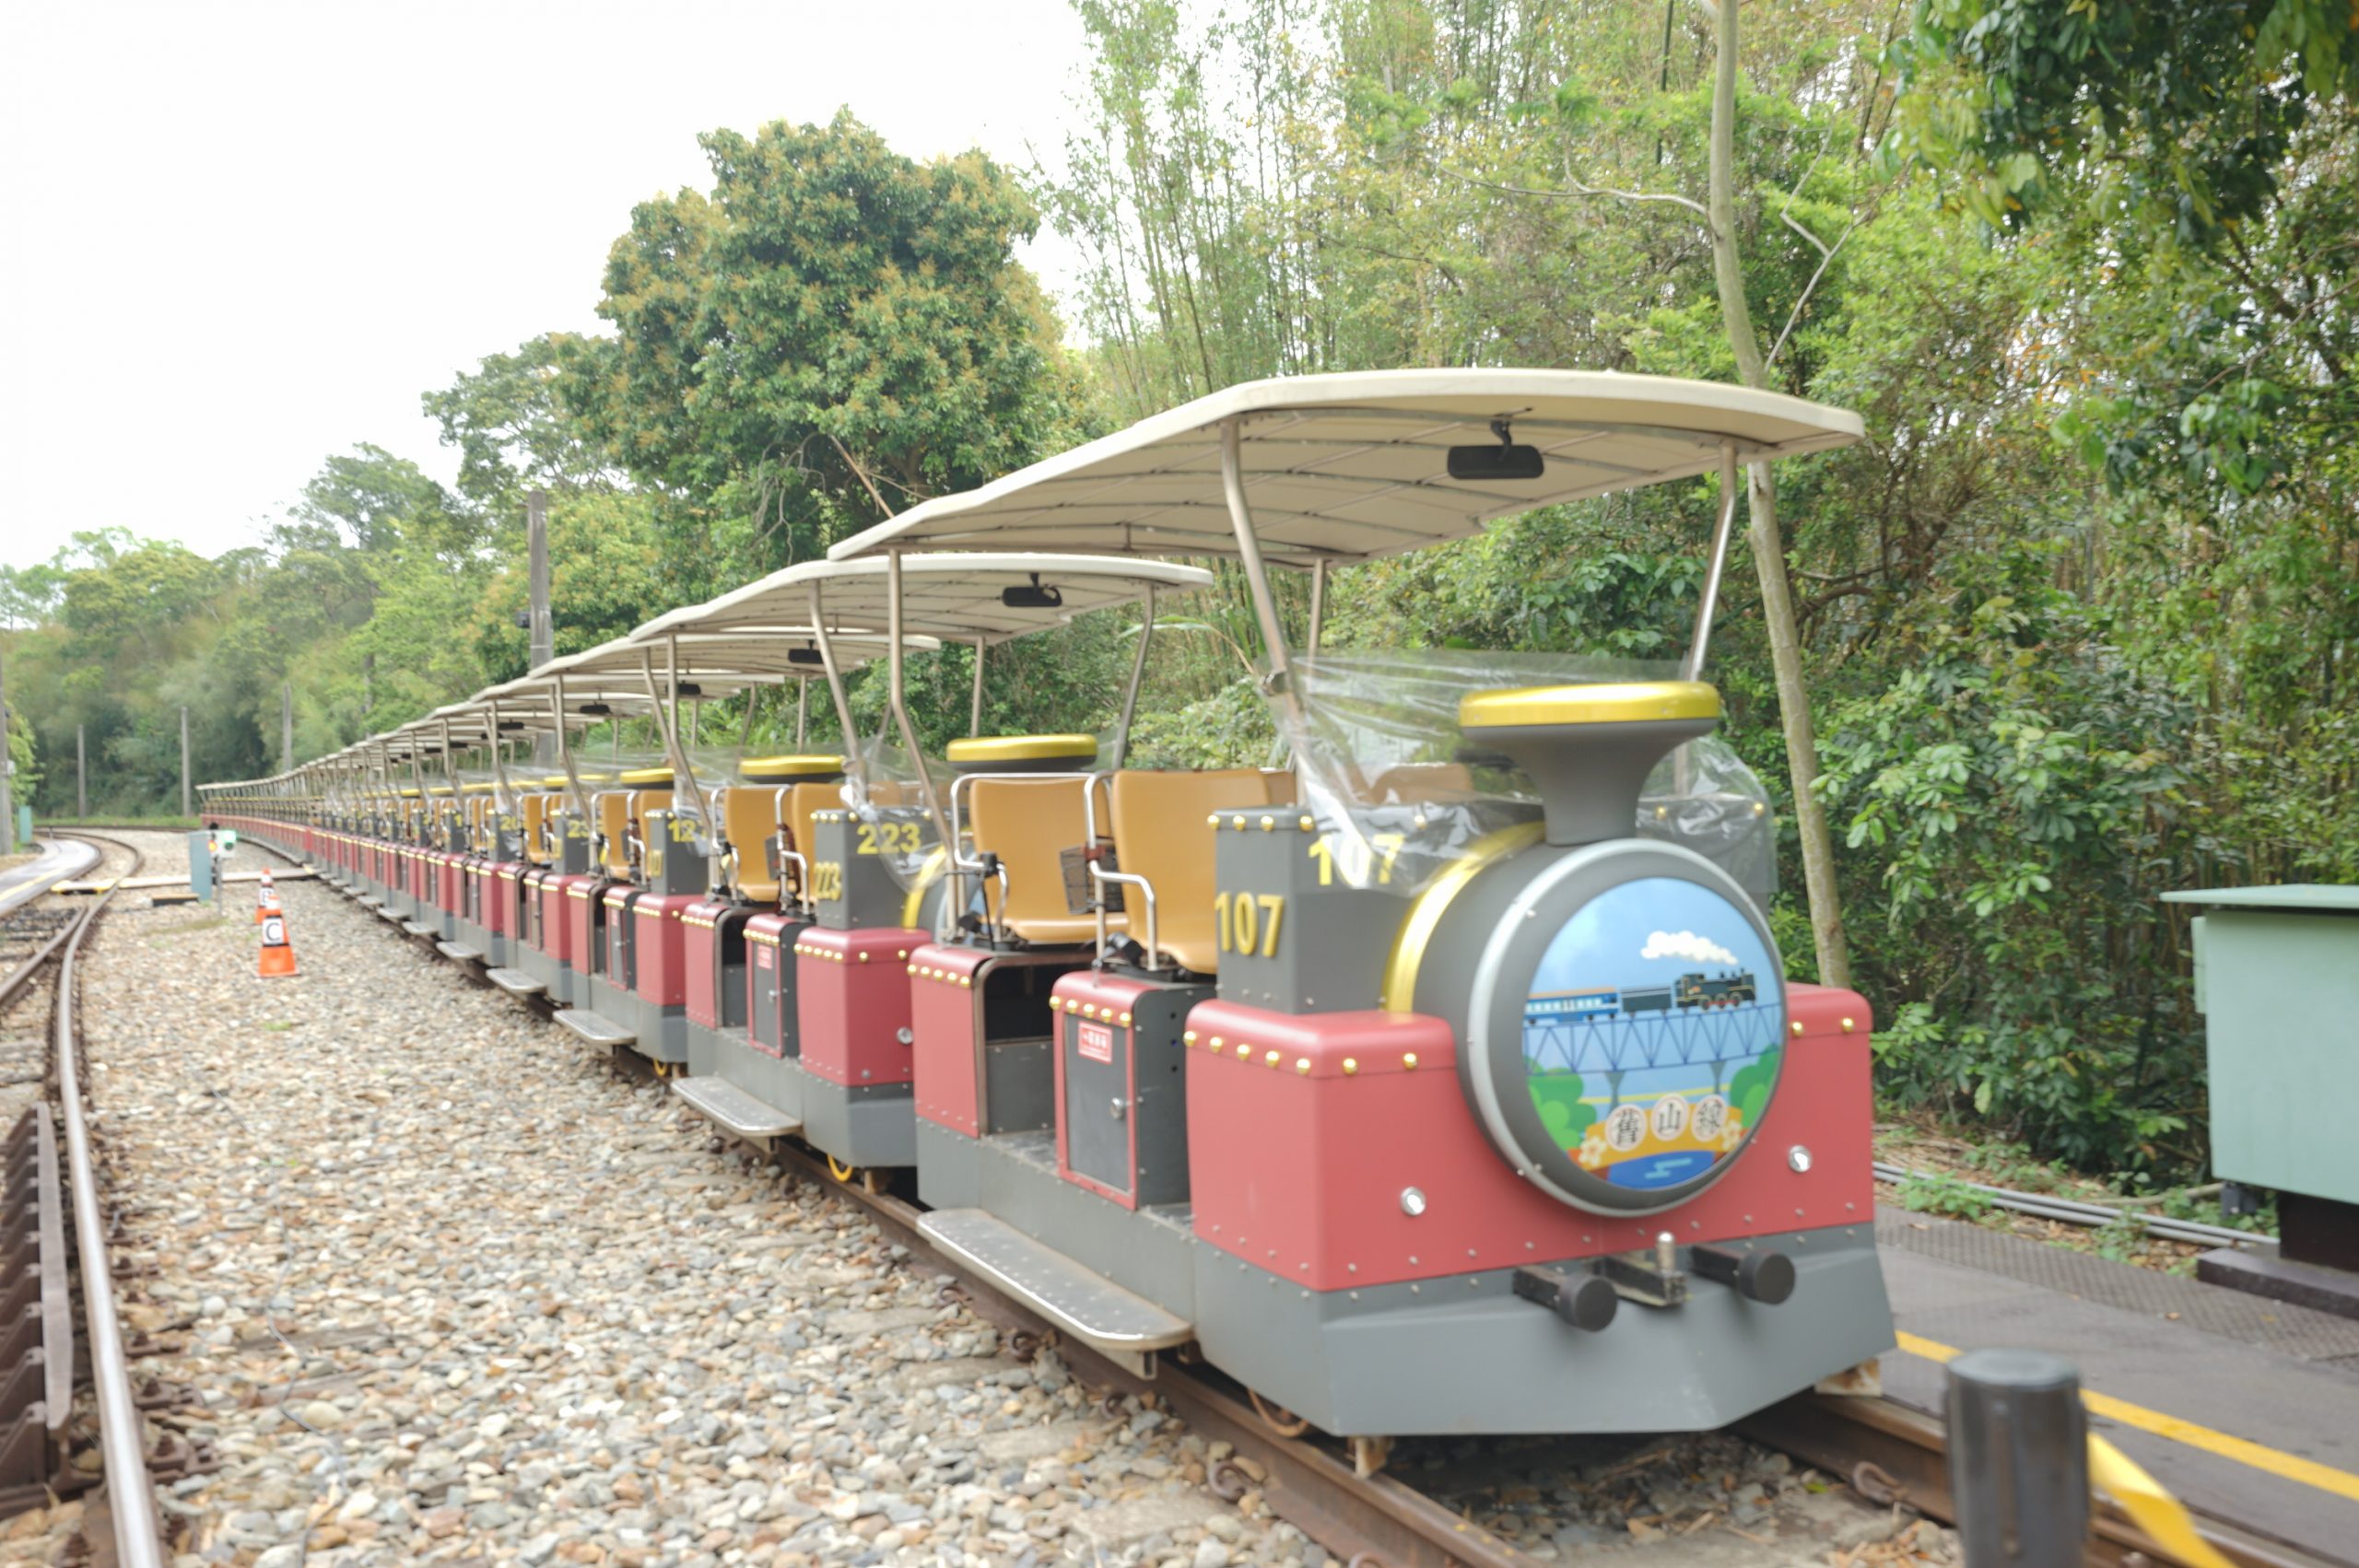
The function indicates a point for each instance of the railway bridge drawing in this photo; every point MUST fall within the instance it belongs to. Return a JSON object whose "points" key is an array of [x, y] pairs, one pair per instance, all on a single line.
{"points": [[1611, 1032]]}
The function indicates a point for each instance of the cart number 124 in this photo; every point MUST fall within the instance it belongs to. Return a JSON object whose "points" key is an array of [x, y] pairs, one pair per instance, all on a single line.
{"points": [[1248, 923]]}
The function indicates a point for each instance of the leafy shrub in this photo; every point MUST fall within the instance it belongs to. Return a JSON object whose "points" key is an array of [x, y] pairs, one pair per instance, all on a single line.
{"points": [[2019, 861]]}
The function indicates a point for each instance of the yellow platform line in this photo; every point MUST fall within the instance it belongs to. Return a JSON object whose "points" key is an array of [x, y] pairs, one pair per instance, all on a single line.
{"points": [[2290, 1467]]}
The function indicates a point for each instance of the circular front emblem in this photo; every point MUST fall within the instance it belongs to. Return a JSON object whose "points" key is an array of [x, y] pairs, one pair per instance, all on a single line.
{"points": [[1631, 1020]]}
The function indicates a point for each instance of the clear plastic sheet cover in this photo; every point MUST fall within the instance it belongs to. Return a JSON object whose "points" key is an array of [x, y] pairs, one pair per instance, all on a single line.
{"points": [[885, 797], [1381, 763]]}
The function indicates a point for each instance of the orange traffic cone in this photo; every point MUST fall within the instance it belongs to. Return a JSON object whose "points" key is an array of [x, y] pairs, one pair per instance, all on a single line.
{"points": [[266, 902], [277, 952]]}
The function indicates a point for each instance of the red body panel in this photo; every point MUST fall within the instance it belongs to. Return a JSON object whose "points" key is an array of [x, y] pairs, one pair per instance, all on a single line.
{"points": [[699, 939], [1299, 1162], [946, 1059], [763, 955], [579, 938], [500, 882], [1092, 998], [660, 937], [852, 1001], [451, 883]]}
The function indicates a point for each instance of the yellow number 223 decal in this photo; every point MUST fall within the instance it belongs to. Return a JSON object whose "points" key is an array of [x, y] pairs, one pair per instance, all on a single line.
{"points": [[898, 837], [827, 881]]}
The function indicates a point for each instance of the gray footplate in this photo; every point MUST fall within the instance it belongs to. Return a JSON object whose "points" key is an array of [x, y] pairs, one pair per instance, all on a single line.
{"points": [[1075, 1297], [515, 982], [458, 953], [733, 1110], [417, 927], [596, 1028]]}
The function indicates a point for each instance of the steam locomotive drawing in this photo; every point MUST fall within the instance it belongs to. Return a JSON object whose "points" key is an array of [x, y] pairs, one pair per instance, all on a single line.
{"points": [[1737, 988]]}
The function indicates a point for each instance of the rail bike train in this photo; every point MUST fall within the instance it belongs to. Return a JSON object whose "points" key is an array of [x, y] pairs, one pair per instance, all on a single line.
{"points": [[1433, 1073]]}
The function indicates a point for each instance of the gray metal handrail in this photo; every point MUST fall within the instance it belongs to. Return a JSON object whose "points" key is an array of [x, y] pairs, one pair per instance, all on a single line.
{"points": [[1101, 876]]}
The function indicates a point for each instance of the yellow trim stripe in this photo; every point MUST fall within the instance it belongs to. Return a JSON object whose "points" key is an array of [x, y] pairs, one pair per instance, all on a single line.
{"points": [[2289, 1467], [1399, 989]]}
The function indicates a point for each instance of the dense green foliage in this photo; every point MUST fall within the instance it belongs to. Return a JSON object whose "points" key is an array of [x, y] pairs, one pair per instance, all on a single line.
{"points": [[2079, 613]]}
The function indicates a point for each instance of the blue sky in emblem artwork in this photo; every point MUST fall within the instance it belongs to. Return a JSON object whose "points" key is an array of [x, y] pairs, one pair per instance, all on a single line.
{"points": [[1648, 932]]}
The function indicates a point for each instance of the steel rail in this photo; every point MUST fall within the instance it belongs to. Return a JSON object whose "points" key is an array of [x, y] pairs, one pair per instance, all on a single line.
{"points": [[121, 1429], [1375, 1521], [2071, 1212], [1892, 1454]]}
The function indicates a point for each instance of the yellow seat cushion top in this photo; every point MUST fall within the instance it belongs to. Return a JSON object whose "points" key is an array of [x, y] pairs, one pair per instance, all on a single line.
{"points": [[1612, 702], [788, 769], [978, 749]]}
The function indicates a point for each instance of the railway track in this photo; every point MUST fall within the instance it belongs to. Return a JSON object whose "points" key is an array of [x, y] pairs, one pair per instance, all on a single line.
{"points": [[52, 1183], [1890, 1454]]}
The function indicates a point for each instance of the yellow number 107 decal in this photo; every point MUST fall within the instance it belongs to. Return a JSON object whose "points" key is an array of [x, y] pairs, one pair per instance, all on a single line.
{"points": [[1356, 856], [1248, 923]]}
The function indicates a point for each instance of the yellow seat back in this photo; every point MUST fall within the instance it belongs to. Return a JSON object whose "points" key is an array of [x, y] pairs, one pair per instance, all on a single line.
{"points": [[535, 809], [1163, 832], [748, 816], [803, 802], [614, 823], [1026, 822], [643, 804]]}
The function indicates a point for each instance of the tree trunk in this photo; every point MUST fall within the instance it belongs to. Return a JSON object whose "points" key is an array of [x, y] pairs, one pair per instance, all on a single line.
{"points": [[1768, 544]]}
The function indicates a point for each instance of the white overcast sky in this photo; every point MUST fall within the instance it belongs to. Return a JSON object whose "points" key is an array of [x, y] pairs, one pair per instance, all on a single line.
{"points": [[250, 235]]}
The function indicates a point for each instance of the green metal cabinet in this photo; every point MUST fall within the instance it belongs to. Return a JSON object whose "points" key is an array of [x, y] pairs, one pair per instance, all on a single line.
{"points": [[2277, 981]]}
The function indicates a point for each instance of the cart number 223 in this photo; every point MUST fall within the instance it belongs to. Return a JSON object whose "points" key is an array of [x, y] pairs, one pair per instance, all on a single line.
{"points": [[1248, 923]]}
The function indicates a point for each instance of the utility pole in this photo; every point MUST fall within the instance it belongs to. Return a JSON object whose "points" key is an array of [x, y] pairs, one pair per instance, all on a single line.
{"points": [[187, 808], [541, 634], [7, 768], [286, 726], [81, 778]]}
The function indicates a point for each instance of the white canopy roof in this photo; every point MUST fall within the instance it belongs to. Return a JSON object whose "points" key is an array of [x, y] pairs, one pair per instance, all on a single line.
{"points": [[954, 597], [1345, 467]]}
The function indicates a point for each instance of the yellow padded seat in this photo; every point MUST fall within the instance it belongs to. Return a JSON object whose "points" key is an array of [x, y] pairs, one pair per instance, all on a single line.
{"points": [[1026, 823], [1163, 832], [643, 804], [614, 824], [748, 818], [803, 800], [535, 817]]}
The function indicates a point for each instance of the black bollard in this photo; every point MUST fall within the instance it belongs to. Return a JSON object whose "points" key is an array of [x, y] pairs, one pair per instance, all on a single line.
{"points": [[2019, 1459]]}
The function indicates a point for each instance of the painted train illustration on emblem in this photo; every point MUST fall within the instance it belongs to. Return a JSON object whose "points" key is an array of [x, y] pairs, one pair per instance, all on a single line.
{"points": [[1651, 1033]]}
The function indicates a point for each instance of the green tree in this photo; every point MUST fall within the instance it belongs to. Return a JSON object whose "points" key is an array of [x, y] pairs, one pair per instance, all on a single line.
{"points": [[514, 431], [836, 332], [2180, 119]]}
